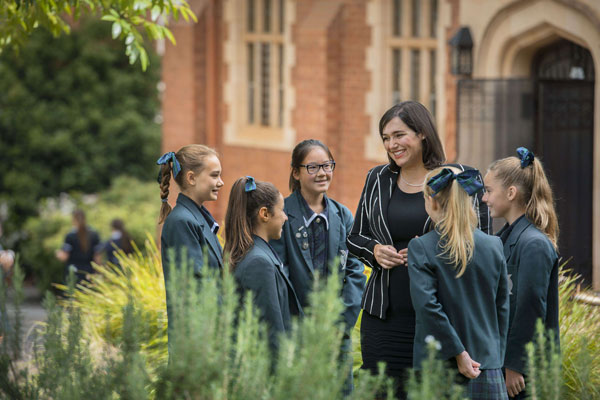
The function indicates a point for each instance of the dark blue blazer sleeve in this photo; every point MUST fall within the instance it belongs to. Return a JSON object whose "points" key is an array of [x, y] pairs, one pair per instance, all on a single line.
{"points": [[430, 313], [536, 260], [187, 235], [503, 306], [259, 277], [354, 279]]}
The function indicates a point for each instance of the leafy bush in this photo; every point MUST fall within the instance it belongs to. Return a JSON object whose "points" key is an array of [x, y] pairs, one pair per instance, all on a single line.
{"points": [[127, 198], [217, 351], [73, 116], [579, 342]]}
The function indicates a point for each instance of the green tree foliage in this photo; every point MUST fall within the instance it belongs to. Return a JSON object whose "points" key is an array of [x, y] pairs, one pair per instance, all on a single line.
{"points": [[73, 116], [20, 18]]}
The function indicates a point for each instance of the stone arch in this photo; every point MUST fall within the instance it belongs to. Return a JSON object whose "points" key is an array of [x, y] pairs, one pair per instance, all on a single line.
{"points": [[508, 45]]}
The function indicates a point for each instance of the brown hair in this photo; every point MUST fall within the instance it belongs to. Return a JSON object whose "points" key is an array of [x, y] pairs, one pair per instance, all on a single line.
{"points": [[420, 120], [118, 225], [533, 191], [457, 223], [299, 154], [82, 232], [240, 219], [191, 158]]}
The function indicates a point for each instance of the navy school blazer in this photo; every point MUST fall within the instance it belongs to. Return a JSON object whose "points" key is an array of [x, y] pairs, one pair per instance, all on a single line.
{"points": [[294, 251], [186, 228], [371, 228], [467, 313], [261, 272], [532, 265]]}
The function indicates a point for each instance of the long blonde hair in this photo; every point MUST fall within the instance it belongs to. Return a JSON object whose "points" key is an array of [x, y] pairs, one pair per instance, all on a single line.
{"points": [[533, 191], [457, 223]]}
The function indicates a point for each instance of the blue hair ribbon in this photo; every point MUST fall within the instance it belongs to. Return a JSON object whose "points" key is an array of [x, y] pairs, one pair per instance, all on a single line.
{"points": [[165, 159], [468, 180], [250, 184], [525, 156]]}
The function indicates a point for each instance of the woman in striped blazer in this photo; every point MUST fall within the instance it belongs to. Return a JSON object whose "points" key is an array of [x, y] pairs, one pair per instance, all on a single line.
{"points": [[390, 213]]}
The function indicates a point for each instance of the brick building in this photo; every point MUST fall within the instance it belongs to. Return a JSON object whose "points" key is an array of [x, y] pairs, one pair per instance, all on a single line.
{"points": [[254, 77]]}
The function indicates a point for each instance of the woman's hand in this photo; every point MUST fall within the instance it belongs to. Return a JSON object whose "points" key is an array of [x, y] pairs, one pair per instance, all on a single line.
{"points": [[467, 366], [515, 383], [387, 256]]}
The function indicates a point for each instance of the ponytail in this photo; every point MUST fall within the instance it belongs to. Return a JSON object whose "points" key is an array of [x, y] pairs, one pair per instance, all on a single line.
{"points": [[458, 220], [245, 200], [533, 191], [82, 232], [165, 181], [188, 158]]}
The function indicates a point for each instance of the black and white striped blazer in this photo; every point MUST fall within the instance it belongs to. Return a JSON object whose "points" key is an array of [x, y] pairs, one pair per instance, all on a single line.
{"points": [[371, 227]]}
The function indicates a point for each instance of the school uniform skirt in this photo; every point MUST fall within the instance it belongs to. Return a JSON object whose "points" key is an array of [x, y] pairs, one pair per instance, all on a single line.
{"points": [[489, 385]]}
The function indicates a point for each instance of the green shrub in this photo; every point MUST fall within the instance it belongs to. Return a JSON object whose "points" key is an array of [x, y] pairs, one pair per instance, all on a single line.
{"points": [[436, 380], [579, 342], [135, 202], [217, 351], [543, 380]]}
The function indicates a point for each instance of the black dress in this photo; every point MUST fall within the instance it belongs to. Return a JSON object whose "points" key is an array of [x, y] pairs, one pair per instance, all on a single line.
{"points": [[391, 339]]}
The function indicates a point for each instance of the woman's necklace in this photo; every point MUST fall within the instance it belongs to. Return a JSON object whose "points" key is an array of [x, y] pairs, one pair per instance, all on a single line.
{"points": [[410, 184]]}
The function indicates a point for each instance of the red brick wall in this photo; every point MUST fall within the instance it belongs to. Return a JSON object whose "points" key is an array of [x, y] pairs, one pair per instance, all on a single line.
{"points": [[330, 81]]}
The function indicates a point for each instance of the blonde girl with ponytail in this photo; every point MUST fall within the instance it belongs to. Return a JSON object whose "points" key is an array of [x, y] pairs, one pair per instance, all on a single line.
{"points": [[458, 285], [189, 229], [518, 191], [254, 216]]}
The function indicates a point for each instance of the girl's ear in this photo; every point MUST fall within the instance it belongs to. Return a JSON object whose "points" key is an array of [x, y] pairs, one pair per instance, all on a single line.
{"points": [[511, 193], [190, 178], [296, 173], [263, 214]]}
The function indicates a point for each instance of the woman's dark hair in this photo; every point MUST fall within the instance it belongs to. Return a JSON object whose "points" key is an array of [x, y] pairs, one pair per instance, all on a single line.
{"points": [[299, 154], [191, 158], [240, 219], [82, 232], [420, 120], [118, 225]]}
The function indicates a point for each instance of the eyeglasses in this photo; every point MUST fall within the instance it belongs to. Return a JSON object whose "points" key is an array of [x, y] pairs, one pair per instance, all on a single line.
{"points": [[314, 168]]}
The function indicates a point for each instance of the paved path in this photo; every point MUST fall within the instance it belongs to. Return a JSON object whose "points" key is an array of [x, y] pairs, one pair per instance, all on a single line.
{"points": [[32, 312]]}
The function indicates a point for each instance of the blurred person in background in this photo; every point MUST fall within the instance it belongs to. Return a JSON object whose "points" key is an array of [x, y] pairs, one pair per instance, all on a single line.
{"points": [[80, 248]]}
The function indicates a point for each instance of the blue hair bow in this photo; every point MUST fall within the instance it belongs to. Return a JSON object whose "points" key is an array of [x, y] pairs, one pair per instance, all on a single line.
{"points": [[250, 184], [466, 179], [165, 159], [525, 156]]}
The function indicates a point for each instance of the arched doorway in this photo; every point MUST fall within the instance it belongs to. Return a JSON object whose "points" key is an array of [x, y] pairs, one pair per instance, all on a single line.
{"points": [[563, 74]]}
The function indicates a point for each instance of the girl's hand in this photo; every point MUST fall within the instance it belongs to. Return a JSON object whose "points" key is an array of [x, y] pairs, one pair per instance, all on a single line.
{"points": [[404, 255], [467, 366], [387, 256], [515, 383]]}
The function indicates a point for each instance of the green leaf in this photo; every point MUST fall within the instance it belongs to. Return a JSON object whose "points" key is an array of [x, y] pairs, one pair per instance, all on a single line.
{"points": [[116, 29]]}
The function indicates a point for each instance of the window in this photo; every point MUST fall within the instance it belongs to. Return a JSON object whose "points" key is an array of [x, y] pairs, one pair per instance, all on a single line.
{"points": [[402, 61], [264, 42], [412, 47], [259, 56]]}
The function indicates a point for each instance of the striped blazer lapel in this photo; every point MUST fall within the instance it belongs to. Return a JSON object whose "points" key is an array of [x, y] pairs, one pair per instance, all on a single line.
{"points": [[385, 181]]}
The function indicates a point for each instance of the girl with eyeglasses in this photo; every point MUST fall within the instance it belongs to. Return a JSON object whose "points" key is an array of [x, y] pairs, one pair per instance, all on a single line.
{"points": [[315, 234], [254, 216]]}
